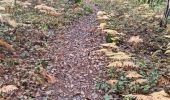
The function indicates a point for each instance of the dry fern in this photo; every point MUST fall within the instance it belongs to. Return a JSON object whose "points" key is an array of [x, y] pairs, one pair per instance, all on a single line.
{"points": [[101, 13], [119, 56], [133, 74], [5, 19], [111, 45], [135, 40], [116, 64], [6, 45], [102, 26], [139, 81], [168, 49], [127, 65], [2, 9], [47, 10], [8, 88], [113, 32], [112, 82]]}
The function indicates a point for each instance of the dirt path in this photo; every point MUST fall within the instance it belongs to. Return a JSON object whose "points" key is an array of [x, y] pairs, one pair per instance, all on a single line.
{"points": [[76, 64]]}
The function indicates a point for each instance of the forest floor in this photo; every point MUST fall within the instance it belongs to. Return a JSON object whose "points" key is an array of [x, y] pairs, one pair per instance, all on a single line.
{"points": [[77, 65], [94, 51]]}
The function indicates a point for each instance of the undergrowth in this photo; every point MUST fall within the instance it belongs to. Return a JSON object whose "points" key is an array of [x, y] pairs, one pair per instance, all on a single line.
{"points": [[139, 21], [125, 85]]}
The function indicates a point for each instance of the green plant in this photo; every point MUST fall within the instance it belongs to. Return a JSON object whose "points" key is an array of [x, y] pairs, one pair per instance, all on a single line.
{"points": [[111, 72], [140, 88], [77, 1], [151, 71], [154, 77], [152, 74], [129, 98], [88, 9], [74, 1], [145, 89], [113, 23], [160, 29], [143, 73], [41, 64], [79, 14], [109, 38], [152, 3], [37, 67], [9, 62], [43, 26], [135, 88], [143, 64], [107, 97], [101, 85], [120, 86], [146, 63]]}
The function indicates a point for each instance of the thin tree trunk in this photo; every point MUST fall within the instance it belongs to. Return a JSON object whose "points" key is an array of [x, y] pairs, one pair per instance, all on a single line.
{"points": [[15, 2]]}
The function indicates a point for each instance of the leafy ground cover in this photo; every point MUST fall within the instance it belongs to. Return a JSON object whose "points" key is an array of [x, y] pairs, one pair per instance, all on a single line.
{"points": [[31, 38], [91, 50], [137, 47]]}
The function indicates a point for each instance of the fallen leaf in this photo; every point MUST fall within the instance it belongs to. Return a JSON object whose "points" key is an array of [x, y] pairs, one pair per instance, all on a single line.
{"points": [[2, 57], [50, 78], [37, 94]]}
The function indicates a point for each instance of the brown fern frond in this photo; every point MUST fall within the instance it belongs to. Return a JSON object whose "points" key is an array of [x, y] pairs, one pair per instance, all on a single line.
{"points": [[168, 49], [6, 45], [8, 88]]}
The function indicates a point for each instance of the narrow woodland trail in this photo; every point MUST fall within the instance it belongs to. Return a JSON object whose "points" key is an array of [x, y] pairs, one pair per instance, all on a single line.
{"points": [[76, 65]]}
